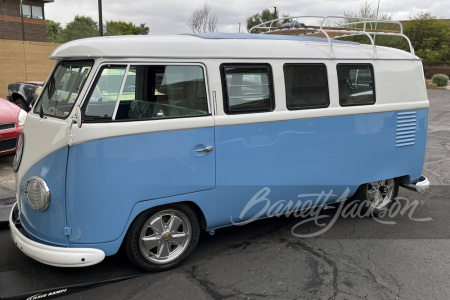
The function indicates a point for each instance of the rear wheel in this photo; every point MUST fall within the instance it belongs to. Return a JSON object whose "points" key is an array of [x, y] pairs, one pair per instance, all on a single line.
{"points": [[161, 238], [20, 102], [378, 196]]}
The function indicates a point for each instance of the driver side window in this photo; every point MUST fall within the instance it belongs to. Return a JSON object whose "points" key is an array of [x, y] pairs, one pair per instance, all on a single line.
{"points": [[103, 96]]}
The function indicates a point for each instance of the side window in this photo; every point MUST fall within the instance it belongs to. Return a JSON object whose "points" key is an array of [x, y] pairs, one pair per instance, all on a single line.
{"points": [[103, 96], [306, 86], [247, 88], [356, 84], [160, 91]]}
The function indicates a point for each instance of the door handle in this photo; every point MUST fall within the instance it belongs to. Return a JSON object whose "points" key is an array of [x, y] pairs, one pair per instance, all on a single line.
{"points": [[207, 149]]}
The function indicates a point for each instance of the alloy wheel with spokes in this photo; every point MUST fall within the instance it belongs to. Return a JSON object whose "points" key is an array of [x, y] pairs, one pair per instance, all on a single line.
{"points": [[161, 238], [378, 195], [165, 236]]}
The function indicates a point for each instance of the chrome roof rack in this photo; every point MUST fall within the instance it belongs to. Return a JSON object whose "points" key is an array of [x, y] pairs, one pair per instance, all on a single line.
{"points": [[332, 27]]}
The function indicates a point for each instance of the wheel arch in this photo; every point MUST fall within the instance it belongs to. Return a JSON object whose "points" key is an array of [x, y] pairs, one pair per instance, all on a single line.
{"points": [[16, 95], [194, 206]]}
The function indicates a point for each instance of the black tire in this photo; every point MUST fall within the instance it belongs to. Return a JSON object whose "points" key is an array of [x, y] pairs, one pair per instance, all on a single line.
{"points": [[377, 196], [20, 102], [163, 228]]}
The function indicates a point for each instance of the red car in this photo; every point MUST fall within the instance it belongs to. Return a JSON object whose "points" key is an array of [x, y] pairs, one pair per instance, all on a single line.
{"points": [[12, 119]]}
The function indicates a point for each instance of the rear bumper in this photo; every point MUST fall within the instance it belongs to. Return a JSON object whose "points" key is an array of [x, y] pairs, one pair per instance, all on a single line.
{"points": [[422, 184], [51, 255]]}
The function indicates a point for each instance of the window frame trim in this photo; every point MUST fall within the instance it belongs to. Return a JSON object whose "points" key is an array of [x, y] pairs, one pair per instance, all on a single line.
{"points": [[327, 85], [128, 64], [31, 11], [373, 83], [225, 91], [42, 10]]}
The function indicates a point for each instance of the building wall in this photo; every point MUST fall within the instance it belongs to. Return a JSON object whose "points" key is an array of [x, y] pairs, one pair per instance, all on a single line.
{"points": [[24, 61], [430, 71], [11, 22]]}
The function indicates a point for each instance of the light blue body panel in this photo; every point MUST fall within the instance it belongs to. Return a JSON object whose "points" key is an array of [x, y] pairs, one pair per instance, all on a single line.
{"points": [[107, 177], [111, 181]]}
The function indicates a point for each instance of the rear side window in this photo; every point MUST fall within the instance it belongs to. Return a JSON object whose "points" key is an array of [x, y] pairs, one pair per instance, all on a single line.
{"points": [[356, 84], [306, 86], [247, 88]]}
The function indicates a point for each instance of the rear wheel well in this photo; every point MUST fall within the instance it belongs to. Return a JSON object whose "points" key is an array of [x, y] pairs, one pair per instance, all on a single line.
{"points": [[404, 179]]}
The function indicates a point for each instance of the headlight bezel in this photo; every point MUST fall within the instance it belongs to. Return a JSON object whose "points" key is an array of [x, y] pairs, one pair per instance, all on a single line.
{"points": [[44, 190]]}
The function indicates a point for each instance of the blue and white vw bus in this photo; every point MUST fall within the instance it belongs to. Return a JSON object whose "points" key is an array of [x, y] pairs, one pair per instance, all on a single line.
{"points": [[141, 142]]}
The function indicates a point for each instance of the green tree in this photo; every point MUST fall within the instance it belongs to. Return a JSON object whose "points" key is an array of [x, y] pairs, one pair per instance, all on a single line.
{"points": [[80, 27], [144, 29], [120, 28], [367, 11], [265, 16], [430, 38], [53, 31], [124, 28]]}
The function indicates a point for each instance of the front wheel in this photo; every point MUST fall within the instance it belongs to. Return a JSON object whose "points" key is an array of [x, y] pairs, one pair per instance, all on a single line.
{"points": [[378, 196], [161, 238], [20, 102]]}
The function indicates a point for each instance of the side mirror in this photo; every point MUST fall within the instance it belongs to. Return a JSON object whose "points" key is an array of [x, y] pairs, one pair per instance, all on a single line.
{"points": [[79, 119]]}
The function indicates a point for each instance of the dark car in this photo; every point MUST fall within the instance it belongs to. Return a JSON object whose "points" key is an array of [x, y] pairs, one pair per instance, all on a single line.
{"points": [[23, 94], [12, 119]]}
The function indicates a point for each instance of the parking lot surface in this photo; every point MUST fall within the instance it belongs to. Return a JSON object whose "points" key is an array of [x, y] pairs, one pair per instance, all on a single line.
{"points": [[356, 259]]}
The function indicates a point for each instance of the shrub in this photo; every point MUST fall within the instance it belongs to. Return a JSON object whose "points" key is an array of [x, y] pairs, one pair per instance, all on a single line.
{"points": [[440, 79]]}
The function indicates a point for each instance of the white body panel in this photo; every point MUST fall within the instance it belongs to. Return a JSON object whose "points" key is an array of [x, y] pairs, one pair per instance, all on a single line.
{"points": [[55, 256]]}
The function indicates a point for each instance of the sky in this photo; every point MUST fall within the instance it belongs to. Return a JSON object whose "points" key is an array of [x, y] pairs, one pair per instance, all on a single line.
{"points": [[171, 16]]}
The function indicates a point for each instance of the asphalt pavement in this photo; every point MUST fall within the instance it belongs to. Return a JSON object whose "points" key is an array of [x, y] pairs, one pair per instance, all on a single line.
{"points": [[357, 258]]}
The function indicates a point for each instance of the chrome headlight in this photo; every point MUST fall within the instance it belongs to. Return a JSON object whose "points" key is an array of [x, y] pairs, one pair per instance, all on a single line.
{"points": [[21, 117], [19, 152], [37, 193]]}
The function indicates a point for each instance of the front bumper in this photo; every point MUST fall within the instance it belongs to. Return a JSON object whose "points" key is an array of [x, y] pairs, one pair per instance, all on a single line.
{"points": [[10, 134], [51, 255]]}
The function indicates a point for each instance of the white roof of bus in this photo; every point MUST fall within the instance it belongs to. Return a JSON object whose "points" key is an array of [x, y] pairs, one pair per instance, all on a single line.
{"points": [[254, 46]]}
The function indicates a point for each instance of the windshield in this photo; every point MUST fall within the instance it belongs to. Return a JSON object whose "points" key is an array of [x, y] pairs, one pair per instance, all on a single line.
{"points": [[62, 88]]}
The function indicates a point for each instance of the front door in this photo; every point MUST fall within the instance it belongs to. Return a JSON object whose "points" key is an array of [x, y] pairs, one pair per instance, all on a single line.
{"points": [[147, 134]]}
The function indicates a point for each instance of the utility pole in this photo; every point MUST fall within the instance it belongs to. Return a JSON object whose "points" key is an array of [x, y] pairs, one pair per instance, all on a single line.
{"points": [[378, 7], [23, 26], [100, 18], [275, 16], [239, 27]]}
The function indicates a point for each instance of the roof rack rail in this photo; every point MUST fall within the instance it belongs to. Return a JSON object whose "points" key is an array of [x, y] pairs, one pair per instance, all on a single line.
{"points": [[332, 27]]}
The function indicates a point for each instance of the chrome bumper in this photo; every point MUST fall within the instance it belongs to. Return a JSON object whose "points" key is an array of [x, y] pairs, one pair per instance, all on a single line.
{"points": [[51, 255]]}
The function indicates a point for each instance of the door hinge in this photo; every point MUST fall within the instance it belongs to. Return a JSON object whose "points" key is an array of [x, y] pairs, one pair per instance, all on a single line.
{"points": [[67, 231]]}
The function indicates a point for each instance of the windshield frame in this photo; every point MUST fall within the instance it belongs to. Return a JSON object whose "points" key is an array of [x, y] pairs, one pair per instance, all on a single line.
{"points": [[88, 63]]}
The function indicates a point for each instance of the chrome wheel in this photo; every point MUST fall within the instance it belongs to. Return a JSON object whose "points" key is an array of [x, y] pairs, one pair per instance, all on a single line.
{"points": [[165, 236], [381, 193]]}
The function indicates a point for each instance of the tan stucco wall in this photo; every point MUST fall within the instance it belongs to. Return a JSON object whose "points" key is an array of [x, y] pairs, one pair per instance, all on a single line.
{"points": [[24, 61]]}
